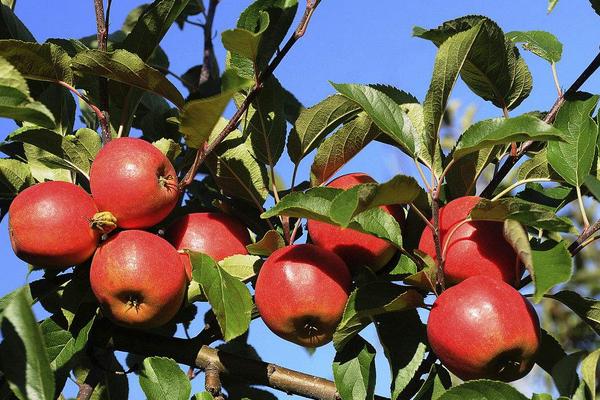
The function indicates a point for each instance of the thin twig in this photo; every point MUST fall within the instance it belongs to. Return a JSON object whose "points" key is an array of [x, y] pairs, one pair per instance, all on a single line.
{"points": [[203, 151], [207, 67], [99, 114], [511, 161], [422, 216], [555, 78], [578, 244], [102, 35]]}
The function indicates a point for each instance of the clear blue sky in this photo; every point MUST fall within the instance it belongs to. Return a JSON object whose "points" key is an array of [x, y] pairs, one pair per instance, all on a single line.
{"points": [[348, 41]]}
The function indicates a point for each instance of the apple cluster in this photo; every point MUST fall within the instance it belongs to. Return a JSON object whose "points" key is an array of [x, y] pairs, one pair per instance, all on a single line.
{"points": [[480, 327], [139, 278]]}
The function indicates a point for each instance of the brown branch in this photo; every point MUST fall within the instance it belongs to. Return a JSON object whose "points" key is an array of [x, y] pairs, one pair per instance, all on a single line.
{"points": [[512, 160], [578, 244], [102, 35], [87, 387], [209, 51], [435, 213], [212, 379], [196, 352], [203, 151]]}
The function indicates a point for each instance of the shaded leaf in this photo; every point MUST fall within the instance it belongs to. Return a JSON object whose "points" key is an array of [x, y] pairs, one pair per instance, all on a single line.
{"points": [[41, 62], [482, 390], [11, 26], [586, 308], [354, 370], [168, 147], [267, 245]]}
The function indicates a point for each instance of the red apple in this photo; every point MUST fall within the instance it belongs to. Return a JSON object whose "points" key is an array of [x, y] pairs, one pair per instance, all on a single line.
{"points": [[50, 225], [135, 182], [474, 248], [138, 279], [215, 234], [355, 248], [301, 292], [482, 328]]}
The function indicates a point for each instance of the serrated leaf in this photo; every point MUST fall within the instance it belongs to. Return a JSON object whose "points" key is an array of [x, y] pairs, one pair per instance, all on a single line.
{"points": [[152, 25], [593, 186], [527, 213], [127, 68], [382, 109], [267, 245], [228, 296], [168, 147], [66, 148], [449, 61], [497, 131], [354, 370], [199, 117], [241, 266], [342, 146], [586, 308], [552, 265], [15, 176], [22, 352], [399, 190], [19, 106], [161, 378], [573, 158], [244, 42], [315, 204], [494, 69], [482, 390], [542, 44], [41, 62], [315, 123], [403, 338], [236, 170], [369, 301], [536, 167]]}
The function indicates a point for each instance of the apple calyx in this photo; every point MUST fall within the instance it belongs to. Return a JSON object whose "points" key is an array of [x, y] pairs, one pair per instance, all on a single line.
{"points": [[104, 222]]}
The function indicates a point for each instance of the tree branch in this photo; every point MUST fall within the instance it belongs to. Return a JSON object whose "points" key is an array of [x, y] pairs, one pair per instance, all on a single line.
{"points": [[196, 352], [203, 151], [580, 242], [102, 35], [209, 51], [512, 160]]}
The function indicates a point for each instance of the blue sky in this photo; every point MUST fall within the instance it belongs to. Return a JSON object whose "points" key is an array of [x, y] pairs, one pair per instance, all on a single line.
{"points": [[348, 41]]}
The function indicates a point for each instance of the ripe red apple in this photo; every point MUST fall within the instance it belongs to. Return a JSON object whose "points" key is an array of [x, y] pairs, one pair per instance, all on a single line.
{"points": [[301, 292], [215, 234], [475, 248], [50, 225], [482, 328], [355, 248], [138, 279], [135, 182]]}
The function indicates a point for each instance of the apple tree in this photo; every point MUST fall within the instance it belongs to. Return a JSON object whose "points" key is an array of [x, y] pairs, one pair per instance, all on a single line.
{"points": [[157, 201]]}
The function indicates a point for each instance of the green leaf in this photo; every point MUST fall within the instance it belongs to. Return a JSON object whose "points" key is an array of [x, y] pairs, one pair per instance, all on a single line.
{"points": [[199, 117], [586, 308], [168, 147], [494, 69], [573, 158], [593, 186], [550, 352], [437, 382], [267, 245], [497, 131], [61, 104], [315, 204], [354, 370], [127, 68], [462, 178], [383, 110], [552, 264], [152, 25], [243, 42], [449, 61], [403, 338], [551, 5], [19, 106], [46, 166], [369, 301], [241, 266], [589, 366], [161, 378], [203, 396], [11, 26], [527, 213], [595, 5], [536, 167], [315, 123], [67, 148], [482, 390], [399, 190], [542, 44], [228, 296], [14, 176], [23, 353], [340, 147], [517, 236], [565, 375], [40, 62], [236, 170]]}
